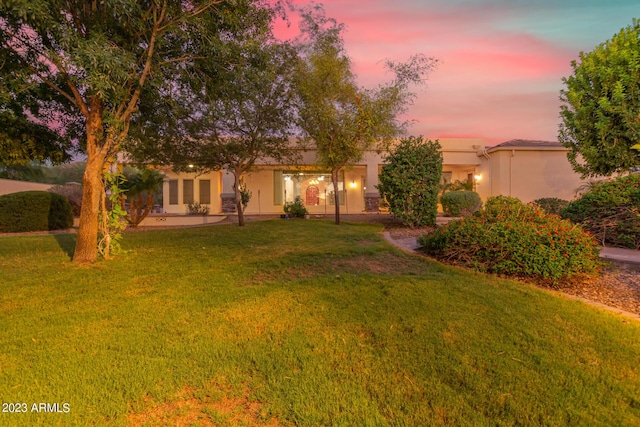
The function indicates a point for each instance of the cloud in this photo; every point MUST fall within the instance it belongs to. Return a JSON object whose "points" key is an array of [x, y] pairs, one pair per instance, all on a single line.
{"points": [[501, 61]]}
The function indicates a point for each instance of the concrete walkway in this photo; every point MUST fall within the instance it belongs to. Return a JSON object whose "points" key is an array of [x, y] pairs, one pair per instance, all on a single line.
{"points": [[628, 258]]}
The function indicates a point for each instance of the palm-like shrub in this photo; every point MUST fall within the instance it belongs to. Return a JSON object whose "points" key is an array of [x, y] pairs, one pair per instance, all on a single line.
{"points": [[140, 187]]}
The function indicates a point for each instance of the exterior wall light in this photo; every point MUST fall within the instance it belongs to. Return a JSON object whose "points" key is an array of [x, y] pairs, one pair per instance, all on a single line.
{"points": [[353, 184]]}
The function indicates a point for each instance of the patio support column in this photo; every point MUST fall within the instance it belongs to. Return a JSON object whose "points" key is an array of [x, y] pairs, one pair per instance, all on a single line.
{"points": [[371, 195], [227, 196]]}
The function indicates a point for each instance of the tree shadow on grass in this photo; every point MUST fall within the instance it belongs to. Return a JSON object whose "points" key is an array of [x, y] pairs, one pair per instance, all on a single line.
{"points": [[67, 243]]}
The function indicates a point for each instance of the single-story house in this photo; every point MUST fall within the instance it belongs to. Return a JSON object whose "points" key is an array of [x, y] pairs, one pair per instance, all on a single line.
{"points": [[525, 169]]}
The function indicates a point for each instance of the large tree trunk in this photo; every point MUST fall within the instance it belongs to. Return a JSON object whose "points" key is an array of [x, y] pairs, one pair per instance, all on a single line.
{"points": [[92, 188], [336, 194], [86, 250]]}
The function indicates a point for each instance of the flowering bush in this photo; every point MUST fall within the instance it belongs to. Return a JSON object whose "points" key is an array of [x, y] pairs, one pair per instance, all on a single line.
{"points": [[610, 211], [514, 239]]}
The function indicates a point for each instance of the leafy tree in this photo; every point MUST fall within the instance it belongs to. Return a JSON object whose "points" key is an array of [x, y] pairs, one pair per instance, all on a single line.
{"points": [[340, 118], [230, 116], [601, 115], [410, 181], [98, 57]]}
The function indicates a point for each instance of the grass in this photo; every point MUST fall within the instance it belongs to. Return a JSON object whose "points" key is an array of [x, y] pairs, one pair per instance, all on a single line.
{"points": [[298, 323]]}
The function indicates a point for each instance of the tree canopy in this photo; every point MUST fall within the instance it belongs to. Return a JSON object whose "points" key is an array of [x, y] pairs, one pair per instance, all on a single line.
{"points": [[601, 112], [99, 58], [228, 115], [339, 118], [23, 140]]}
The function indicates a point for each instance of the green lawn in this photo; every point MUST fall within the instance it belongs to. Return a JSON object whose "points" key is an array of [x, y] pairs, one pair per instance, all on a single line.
{"points": [[297, 323]]}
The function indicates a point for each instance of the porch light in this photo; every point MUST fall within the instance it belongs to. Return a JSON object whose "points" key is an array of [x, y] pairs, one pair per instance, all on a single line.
{"points": [[478, 177], [353, 184]]}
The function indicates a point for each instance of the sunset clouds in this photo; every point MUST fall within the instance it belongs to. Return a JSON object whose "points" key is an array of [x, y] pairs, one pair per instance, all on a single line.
{"points": [[501, 62]]}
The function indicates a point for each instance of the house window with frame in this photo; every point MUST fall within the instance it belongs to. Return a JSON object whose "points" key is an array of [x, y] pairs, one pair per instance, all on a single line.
{"points": [[173, 191], [187, 191], [447, 178], [205, 191]]}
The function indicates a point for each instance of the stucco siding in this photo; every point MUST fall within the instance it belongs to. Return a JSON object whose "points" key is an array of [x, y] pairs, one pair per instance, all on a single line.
{"points": [[8, 186]]}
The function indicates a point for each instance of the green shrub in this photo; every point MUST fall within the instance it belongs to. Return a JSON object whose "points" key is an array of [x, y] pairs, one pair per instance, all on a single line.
{"points": [[409, 181], [296, 208], [34, 211], [610, 211], [460, 203], [196, 208], [514, 239], [551, 205]]}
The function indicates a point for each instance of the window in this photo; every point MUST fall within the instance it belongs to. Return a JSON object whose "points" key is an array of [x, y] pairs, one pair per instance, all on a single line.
{"points": [[205, 191], [173, 191], [187, 191], [446, 178]]}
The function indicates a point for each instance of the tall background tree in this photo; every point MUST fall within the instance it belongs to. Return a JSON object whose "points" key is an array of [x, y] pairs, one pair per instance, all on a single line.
{"points": [[601, 112], [98, 56], [339, 118], [231, 113]]}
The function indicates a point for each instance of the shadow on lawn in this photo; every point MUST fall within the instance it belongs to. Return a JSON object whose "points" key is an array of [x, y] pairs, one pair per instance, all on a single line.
{"points": [[67, 243]]}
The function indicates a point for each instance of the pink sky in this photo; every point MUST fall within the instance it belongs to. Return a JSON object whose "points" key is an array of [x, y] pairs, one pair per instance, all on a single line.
{"points": [[501, 62]]}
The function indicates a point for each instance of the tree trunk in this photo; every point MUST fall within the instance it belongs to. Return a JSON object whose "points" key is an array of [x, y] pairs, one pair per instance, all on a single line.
{"points": [[147, 208], [239, 207], [336, 194], [86, 250]]}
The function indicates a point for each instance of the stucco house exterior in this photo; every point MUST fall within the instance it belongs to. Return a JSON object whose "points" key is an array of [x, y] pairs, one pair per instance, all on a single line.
{"points": [[520, 168], [8, 186]]}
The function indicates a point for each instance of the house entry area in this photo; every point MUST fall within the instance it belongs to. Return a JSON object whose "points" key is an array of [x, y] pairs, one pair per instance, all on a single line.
{"points": [[314, 188]]}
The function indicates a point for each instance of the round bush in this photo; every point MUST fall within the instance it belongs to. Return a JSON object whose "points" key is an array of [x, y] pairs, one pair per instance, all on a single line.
{"points": [[459, 203], [34, 211], [514, 239], [610, 211]]}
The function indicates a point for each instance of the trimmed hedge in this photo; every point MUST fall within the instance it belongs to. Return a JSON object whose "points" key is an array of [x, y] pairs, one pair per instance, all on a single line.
{"points": [[34, 211], [610, 211], [514, 239], [460, 203]]}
